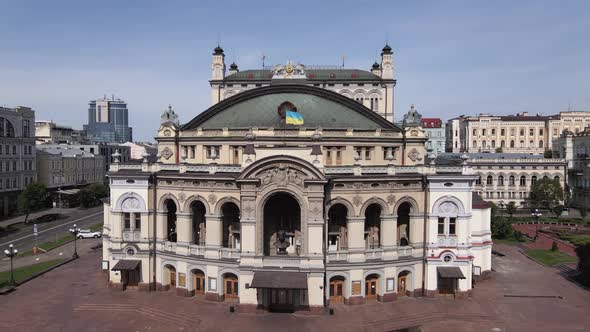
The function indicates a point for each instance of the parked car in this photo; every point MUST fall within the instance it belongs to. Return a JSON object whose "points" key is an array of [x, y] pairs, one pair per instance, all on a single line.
{"points": [[47, 217], [88, 234]]}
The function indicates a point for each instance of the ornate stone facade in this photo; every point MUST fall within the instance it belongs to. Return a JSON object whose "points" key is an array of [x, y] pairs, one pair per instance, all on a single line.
{"points": [[290, 217]]}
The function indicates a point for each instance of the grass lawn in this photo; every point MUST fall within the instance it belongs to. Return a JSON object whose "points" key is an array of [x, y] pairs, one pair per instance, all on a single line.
{"points": [[96, 227], [50, 245], [549, 257], [24, 272]]}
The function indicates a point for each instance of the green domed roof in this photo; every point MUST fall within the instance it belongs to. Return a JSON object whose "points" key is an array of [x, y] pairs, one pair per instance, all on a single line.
{"points": [[259, 108]]}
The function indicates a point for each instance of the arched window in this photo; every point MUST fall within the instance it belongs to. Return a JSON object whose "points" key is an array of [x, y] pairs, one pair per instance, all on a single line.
{"points": [[478, 181], [522, 180], [502, 144], [500, 180], [511, 180], [541, 143], [474, 145], [6, 128], [483, 144], [512, 143], [522, 144], [533, 180], [489, 180], [531, 144], [493, 144], [556, 178]]}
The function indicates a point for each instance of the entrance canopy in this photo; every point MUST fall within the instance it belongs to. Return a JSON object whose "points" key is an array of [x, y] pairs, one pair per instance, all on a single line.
{"points": [[450, 272], [284, 280], [126, 265]]}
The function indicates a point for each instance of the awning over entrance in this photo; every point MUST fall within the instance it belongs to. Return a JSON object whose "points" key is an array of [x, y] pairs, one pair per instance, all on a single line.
{"points": [[450, 272], [284, 280], [126, 265]]}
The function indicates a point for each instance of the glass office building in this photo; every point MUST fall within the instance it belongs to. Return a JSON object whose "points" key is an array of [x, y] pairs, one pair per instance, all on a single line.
{"points": [[108, 121]]}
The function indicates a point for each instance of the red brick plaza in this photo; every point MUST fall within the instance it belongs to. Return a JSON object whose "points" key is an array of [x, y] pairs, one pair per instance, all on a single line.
{"points": [[75, 298]]}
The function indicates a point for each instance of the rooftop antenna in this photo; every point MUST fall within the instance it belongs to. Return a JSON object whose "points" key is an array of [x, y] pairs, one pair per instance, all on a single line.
{"points": [[263, 58], [343, 57], [569, 106], [218, 37]]}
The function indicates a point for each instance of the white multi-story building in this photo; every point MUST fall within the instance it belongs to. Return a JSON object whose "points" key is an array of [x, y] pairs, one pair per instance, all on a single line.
{"points": [[66, 166], [507, 177], [520, 133], [575, 149], [17, 155], [435, 131], [243, 207]]}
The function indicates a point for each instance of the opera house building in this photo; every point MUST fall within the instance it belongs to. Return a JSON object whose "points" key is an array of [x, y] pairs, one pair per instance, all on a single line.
{"points": [[292, 196]]}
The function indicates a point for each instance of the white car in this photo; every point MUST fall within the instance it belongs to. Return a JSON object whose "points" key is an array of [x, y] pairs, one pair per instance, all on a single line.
{"points": [[88, 234]]}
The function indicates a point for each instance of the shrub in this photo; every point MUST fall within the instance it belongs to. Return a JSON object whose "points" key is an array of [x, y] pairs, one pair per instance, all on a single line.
{"points": [[554, 246]]}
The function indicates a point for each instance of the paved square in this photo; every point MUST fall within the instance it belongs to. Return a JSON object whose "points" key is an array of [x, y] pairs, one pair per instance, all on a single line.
{"points": [[75, 297]]}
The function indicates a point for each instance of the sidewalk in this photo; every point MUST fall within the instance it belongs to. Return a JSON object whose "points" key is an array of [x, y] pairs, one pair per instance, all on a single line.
{"points": [[64, 211], [65, 251]]}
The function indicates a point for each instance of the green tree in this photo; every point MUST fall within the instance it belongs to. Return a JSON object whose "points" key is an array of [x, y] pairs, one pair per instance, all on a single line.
{"points": [[32, 198], [86, 197], [501, 228], [554, 246], [548, 153], [499, 150], [99, 190], [511, 209], [546, 193]]}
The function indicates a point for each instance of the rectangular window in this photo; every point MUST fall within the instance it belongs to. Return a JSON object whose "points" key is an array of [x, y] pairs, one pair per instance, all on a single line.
{"points": [[26, 128], [212, 152], [192, 152], [441, 226], [367, 153], [14, 149], [137, 220], [474, 132], [14, 165], [483, 132], [521, 132], [338, 156], [493, 131], [541, 132], [328, 156], [531, 132], [452, 226], [127, 218]]}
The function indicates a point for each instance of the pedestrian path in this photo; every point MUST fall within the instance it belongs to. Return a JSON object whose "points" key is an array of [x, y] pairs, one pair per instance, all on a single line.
{"points": [[71, 211], [65, 251]]}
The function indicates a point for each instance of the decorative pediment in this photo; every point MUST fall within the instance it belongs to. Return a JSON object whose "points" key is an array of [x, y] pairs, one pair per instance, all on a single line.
{"points": [[282, 170]]}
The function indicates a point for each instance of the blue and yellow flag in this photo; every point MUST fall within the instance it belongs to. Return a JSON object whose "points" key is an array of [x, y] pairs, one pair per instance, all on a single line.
{"points": [[293, 118]]}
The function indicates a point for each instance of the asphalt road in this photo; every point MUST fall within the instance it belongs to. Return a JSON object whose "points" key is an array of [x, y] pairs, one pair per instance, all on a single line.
{"points": [[24, 239]]}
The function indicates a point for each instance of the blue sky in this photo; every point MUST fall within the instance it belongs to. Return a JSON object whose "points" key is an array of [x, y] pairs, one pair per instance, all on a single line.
{"points": [[451, 57]]}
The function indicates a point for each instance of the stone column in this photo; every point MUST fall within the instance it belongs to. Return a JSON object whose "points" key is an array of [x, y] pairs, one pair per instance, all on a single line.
{"points": [[356, 238], [184, 228], [416, 228], [388, 234], [161, 229], [214, 236], [116, 225]]}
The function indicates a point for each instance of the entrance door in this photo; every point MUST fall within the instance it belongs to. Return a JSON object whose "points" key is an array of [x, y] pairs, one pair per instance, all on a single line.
{"points": [[446, 286], [371, 288], [336, 291], [131, 278], [199, 282], [281, 299], [402, 283], [231, 288], [172, 278]]}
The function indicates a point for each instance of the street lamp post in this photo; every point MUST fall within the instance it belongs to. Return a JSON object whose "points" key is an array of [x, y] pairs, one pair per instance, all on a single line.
{"points": [[11, 252], [75, 231], [501, 204], [536, 214]]}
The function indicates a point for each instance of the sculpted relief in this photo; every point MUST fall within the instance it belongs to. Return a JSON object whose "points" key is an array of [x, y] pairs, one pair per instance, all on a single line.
{"points": [[282, 176]]}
